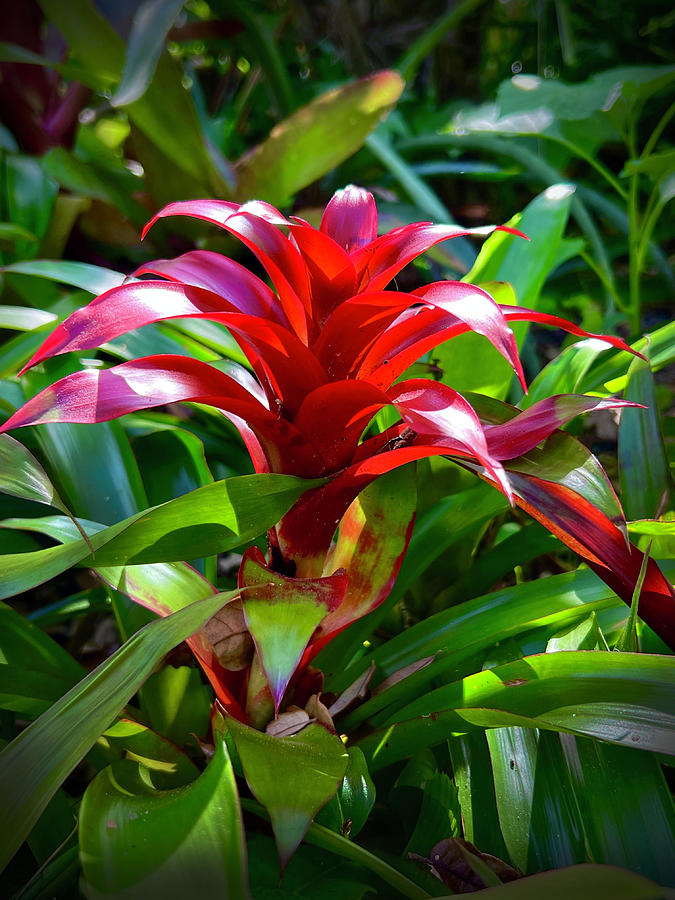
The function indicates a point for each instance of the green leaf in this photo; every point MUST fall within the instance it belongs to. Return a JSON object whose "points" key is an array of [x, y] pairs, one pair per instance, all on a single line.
{"points": [[29, 201], [36, 762], [426, 202], [165, 113], [95, 279], [348, 811], [611, 372], [525, 265], [238, 510], [168, 765], [625, 698], [564, 374], [58, 877], [335, 843], [11, 232], [436, 530], [439, 815], [161, 587], [282, 614], [310, 875], [625, 804], [583, 882], [138, 842], [34, 669], [172, 463], [628, 639], [528, 105], [584, 635], [457, 634], [89, 179], [293, 777], [178, 703], [656, 165], [21, 475], [371, 544], [91, 601], [537, 814], [24, 318], [643, 463], [424, 45], [317, 137], [151, 24], [661, 536], [476, 792]]}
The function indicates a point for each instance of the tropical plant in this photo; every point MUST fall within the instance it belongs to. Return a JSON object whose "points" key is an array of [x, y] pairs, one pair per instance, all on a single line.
{"points": [[321, 359]]}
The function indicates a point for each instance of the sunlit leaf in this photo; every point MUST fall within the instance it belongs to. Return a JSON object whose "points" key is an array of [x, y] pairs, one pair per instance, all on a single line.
{"points": [[293, 777], [585, 882], [623, 698], [95, 279], [236, 513], [316, 138], [195, 832], [36, 762]]}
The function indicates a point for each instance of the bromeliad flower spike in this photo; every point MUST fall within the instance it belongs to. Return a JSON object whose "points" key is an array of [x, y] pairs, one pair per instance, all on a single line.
{"points": [[326, 347]]}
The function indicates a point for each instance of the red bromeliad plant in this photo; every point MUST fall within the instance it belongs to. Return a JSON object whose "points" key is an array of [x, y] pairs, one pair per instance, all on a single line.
{"points": [[326, 348]]}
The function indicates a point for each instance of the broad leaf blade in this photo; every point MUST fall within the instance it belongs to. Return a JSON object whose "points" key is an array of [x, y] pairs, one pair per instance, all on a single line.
{"points": [[35, 764], [316, 138], [583, 882], [282, 614], [293, 777], [196, 834], [95, 279]]}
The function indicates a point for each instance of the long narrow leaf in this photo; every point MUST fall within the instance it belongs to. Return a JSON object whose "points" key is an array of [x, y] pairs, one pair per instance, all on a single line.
{"points": [[624, 698]]}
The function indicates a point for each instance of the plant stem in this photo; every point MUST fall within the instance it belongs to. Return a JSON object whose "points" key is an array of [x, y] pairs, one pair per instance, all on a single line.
{"points": [[609, 287], [658, 131], [592, 161]]}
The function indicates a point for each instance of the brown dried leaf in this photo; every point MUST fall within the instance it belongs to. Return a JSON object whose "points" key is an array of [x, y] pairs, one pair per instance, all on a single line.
{"points": [[457, 863], [355, 691], [289, 722], [319, 711], [227, 632], [400, 674]]}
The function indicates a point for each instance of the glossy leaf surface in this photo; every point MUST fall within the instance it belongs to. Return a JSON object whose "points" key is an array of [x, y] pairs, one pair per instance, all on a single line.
{"points": [[324, 133], [240, 515], [196, 833], [293, 777], [67, 730], [622, 698], [283, 613]]}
